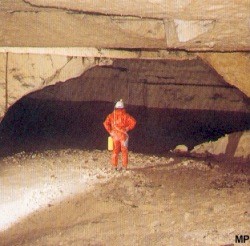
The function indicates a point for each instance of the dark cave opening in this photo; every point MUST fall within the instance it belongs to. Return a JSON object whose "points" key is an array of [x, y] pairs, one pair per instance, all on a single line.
{"points": [[174, 102], [36, 125]]}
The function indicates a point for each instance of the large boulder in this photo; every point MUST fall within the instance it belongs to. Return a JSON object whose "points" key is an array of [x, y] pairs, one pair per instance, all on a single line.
{"points": [[233, 146]]}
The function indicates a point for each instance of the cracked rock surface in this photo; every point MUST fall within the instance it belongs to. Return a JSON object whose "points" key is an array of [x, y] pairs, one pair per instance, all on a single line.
{"points": [[189, 25]]}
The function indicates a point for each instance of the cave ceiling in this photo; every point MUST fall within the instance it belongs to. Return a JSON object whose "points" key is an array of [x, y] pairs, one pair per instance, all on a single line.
{"points": [[217, 31], [140, 24]]}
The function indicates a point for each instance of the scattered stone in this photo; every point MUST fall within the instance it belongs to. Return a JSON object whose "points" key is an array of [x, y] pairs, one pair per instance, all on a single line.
{"points": [[156, 223], [170, 160], [186, 163], [187, 216], [136, 190], [180, 149], [100, 176], [130, 203]]}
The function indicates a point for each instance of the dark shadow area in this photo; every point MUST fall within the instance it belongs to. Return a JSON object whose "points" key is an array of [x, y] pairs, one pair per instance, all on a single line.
{"points": [[36, 125], [178, 102]]}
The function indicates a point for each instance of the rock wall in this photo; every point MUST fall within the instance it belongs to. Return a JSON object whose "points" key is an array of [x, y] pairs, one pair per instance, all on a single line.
{"points": [[234, 67], [31, 72], [91, 52], [190, 85], [3, 106], [185, 82]]}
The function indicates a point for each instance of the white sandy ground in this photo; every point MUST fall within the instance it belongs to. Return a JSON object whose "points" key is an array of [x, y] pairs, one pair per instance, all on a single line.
{"points": [[34, 181], [204, 203], [29, 183]]}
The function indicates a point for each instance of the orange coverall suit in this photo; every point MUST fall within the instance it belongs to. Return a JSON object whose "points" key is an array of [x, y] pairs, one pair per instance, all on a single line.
{"points": [[118, 123]]}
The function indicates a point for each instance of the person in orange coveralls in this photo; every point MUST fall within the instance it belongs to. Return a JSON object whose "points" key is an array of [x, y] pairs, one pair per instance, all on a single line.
{"points": [[117, 124]]}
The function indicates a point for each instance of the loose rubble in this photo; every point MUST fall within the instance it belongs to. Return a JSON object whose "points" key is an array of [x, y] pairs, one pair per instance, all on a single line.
{"points": [[180, 149], [69, 196], [233, 146]]}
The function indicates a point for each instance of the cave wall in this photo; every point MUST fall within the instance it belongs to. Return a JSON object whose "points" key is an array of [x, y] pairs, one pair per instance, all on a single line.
{"points": [[3, 105], [31, 72], [174, 102], [27, 73], [142, 29], [113, 29], [189, 84], [234, 67]]}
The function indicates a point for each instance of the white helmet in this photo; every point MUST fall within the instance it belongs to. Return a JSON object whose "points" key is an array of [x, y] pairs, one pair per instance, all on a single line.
{"points": [[119, 104]]}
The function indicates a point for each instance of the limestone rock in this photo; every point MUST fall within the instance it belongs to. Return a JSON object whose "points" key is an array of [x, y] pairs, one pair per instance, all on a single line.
{"points": [[147, 28], [212, 147], [152, 8], [90, 52], [30, 72], [204, 90], [200, 25], [187, 216], [231, 146], [2, 83], [243, 148], [156, 223], [78, 30], [181, 149], [188, 30], [163, 88], [234, 67]]}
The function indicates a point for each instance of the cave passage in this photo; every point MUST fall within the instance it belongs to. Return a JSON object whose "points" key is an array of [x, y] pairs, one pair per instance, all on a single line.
{"points": [[174, 102], [34, 125]]}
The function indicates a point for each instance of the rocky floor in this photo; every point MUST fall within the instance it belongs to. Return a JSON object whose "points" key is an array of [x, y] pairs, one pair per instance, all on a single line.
{"points": [[72, 197]]}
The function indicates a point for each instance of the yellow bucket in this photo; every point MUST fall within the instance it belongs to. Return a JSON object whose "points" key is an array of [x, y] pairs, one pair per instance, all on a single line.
{"points": [[110, 143]]}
